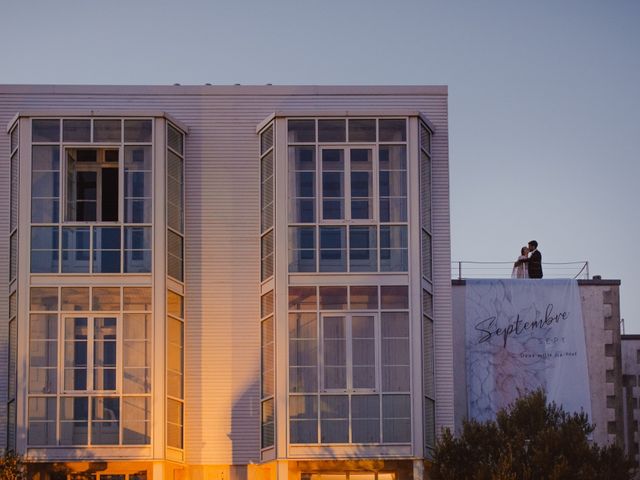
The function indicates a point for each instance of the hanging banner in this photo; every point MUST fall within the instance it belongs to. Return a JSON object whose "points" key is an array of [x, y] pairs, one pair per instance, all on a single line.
{"points": [[522, 335]]}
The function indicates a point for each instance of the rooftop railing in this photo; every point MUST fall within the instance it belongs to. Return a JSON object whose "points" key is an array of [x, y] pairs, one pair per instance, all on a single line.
{"points": [[461, 270]]}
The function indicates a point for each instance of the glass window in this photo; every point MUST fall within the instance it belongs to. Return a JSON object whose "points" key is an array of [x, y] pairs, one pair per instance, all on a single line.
{"points": [[13, 192], [266, 304], [303, 352], [267, 352], [45, 130], [137, 353], [332, 184], [333, 298], [392, 130], [106, 250], [266, 191], [75, 353], [175, 192], [302, 184], [43, 353], [75, 249], [334, 419], [426, 255], [44, 299], [395, 352], [74, 420], [331, 130], [75, 298], [302, 249], [266, 249], [104, 353], [175, 423], [44, 249], [175, 139], [45, 184], [267, 423], [363, 254], [175, 262], [396, 419], [105, 424], [364, 297], [363, 352], [394, 255], [76, 130], [303, 298], [105, 298], [428, 357], [362, 130], [137, 249], [365, 419], [13, 255], [334, 346], [425, 138], [175, 358], [136, 298], [175, 304], [303, 419], [137, 184], [137, 131], [361, 183], [393, 183], [42, 421], [302, 131], [136, 424], [107, 131], [333, 257], [394, 297], [425, 190]]}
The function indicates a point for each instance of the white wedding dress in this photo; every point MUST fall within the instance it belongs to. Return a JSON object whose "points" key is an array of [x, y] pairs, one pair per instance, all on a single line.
{"points": [[520, 271]]}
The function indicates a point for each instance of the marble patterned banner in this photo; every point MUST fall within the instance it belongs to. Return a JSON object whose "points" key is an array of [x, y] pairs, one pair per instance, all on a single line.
{"points": [[522, 335]]}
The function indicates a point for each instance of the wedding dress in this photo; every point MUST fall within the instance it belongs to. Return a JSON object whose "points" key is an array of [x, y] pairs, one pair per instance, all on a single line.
{"points": [[520, 271]]}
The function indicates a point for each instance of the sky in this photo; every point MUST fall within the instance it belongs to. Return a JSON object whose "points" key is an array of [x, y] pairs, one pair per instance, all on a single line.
{"points": [[544, 98]]}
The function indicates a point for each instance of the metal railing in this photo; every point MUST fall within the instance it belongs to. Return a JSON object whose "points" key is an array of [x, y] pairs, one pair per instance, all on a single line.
{"points": [[461, 270]]}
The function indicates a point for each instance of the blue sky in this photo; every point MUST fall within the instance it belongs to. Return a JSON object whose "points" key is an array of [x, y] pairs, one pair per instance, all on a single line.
{"points": [[544, 99]]}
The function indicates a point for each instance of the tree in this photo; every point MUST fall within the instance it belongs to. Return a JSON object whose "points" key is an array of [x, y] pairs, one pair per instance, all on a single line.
{"points": [[12, 467], [529, 440]]}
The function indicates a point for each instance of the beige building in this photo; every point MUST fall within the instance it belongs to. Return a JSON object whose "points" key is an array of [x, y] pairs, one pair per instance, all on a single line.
{"points": [[225, 282]]}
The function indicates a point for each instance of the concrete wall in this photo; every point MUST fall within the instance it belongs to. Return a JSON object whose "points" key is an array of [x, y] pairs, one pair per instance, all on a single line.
{"points": [[601, 313]]}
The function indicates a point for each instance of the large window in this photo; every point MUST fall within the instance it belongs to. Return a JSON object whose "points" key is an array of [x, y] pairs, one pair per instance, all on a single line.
{"points": [[89, 376], [98, 171], [267, 196], [349, 368], [175, 370], [267, 370], [347, 195], [175, 203]]}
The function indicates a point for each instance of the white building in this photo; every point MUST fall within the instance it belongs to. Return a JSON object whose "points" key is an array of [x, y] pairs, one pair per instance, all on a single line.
{"points": [[225, 282]]}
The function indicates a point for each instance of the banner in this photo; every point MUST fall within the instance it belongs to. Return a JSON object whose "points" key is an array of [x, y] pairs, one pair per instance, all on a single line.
{"points": [[522, 335]]}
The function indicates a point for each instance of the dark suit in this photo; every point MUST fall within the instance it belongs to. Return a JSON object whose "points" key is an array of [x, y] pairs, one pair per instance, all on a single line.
{"points": [[535, 264]]}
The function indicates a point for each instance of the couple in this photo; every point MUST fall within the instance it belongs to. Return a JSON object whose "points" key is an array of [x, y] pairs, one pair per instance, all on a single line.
{"points": [[529, 263]]}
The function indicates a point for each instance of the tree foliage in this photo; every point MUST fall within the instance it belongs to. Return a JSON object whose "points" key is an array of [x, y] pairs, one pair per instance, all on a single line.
{"points": [[529, 440], [12, 467]]}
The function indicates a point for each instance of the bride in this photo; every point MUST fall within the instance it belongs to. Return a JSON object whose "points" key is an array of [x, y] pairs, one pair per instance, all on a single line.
{"points": [[520, 267]]}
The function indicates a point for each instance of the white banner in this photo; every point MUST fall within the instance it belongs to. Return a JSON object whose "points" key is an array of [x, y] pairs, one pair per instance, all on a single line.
{"points": [[522, 335]]}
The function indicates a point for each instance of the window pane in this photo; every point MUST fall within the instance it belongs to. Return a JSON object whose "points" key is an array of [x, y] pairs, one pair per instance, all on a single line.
{"points": [[302, 249], [333, 298], [267, 353], [74, 416], [393, 130], [45, 130], [105, 427], [106, 131], [175, 304], [75, 353], [44, 249], [394, 297], [363, 254], [302, 298], [394, 256], [175, 139], [426, 255], [362, 130], [106, 250], [175, 357], [331, 130], [175, 423], [45, 183], [175, 192], [266, 304], [137, 131], [76, 130], [302, 131], [42, 421], [393, 183], [332, 184], [395, 352], [361, 183], [266, 192], [364, 298], [396, 419], [303, 419], [267, 423], [137, 249], [365, 419], [303, 352], [106, 298], [333, 249], [136, 415], [137, 184], [334, 419], [75, 298], [363, 352], [75, 249], [334, 352], [302, 187], [44, 299], [266, 251], [137, 298], [175, 246]]}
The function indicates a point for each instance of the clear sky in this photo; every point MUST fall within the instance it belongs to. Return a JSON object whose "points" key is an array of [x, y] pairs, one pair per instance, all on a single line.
{"points": [[544, 95]]}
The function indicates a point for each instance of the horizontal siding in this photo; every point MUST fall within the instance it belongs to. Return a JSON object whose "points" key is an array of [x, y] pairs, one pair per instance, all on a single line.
{"points": [[222, 247]]}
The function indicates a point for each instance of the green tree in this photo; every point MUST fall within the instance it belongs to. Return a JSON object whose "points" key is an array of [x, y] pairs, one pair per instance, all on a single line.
{"points": [[529, 440], [12, 467]]}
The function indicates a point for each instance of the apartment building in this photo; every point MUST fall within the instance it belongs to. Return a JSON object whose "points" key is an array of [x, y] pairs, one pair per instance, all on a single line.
{"points": [[217, 282]]}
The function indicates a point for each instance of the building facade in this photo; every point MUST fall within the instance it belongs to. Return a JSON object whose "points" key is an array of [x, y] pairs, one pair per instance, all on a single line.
{"points": [[250, 282]]}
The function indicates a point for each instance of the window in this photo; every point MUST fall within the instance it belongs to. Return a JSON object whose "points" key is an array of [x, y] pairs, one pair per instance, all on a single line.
{"points": [[175, 369], [267, 191], [267, 370], [349, 355], [104, 376], [425, 201], [175, 203]]}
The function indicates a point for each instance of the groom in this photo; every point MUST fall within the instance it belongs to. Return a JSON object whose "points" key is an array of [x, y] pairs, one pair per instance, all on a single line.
{"points": [[534, 261]]}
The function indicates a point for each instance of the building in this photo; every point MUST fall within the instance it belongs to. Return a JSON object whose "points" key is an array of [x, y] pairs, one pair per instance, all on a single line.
{"points": [[225, 281], [630, 350]]}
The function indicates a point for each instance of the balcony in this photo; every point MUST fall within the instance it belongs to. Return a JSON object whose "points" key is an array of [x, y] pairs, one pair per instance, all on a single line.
{"points": [[463, 269]]}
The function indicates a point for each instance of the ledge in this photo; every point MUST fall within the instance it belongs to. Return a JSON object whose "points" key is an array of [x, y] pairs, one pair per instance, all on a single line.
{"points": [[590, 282]]}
